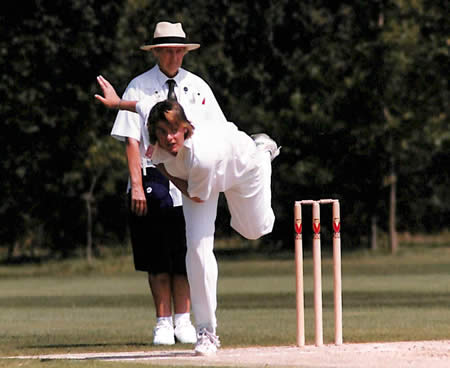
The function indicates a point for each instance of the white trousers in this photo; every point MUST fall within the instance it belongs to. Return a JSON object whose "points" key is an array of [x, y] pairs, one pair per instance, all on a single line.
{"points": [[249, 202]]}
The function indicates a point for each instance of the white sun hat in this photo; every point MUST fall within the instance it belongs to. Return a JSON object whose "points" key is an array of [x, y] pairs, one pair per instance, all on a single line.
{"points": [[169, 35]]}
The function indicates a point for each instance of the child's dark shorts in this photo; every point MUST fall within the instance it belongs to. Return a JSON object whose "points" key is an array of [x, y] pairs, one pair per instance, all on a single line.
{"points": [[159, 238]]}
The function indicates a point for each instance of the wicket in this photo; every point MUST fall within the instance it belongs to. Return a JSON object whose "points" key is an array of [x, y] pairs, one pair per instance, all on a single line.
{"points": [[317, 272]]}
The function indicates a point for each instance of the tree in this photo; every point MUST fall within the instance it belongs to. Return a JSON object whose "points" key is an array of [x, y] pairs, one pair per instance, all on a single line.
{"points": [[50, 57], [324, 79], [105, 158], [414, 97]]}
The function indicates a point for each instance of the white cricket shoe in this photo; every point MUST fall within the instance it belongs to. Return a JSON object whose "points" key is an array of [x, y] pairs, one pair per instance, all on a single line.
{"points": [[163, 334], [207, 343], [185, 332], [265, 143]]}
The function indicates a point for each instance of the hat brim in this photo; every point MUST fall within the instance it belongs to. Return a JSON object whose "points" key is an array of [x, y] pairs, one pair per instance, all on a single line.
{"points": [[187, 46]]}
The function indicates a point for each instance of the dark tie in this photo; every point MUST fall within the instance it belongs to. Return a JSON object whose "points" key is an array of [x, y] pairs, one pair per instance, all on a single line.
{"points": [[171, 95]]}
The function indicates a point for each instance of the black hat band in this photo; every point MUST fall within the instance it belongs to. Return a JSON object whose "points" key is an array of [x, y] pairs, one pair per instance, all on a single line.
{"points": [[164, 40]]}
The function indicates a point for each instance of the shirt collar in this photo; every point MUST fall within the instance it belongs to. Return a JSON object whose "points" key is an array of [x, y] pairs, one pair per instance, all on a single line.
{"points": [[162, 78], [160, 155]]}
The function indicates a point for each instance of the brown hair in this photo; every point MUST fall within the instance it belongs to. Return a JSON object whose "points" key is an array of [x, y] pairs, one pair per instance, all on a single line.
{"points": [[177, 117]]}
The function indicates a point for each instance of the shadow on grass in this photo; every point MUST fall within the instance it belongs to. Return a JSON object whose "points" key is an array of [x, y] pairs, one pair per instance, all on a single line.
{"points": [[152, 351], [121, 357], [92, 345], [155, 355]]}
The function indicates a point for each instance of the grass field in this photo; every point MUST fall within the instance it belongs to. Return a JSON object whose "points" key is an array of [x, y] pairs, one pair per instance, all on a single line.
{"points": [[71, 307]]}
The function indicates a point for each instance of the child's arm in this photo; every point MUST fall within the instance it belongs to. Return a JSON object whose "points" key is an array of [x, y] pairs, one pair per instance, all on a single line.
{"points": [[181, 184], [111, 100]]}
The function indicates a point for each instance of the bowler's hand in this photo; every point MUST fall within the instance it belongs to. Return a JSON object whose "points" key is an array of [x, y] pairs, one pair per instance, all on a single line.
{"points": [[138, 202], [111, 100]]}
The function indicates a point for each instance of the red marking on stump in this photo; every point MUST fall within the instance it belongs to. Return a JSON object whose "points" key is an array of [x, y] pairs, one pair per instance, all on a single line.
{"points": [[336, 226], [316, 228]]}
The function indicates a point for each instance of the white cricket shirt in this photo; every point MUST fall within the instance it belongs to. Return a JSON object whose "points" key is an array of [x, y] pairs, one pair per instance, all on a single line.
{"points": [[214, 159]]}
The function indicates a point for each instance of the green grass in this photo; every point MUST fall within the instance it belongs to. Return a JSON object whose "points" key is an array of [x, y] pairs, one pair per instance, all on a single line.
{"points": [[71, 307]]}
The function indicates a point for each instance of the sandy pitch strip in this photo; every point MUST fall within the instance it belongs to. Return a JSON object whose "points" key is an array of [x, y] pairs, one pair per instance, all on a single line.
{"points": [[411, 354]]}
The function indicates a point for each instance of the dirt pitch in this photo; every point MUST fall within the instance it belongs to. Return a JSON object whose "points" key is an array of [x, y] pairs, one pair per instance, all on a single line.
{"points": [[411, 354]]}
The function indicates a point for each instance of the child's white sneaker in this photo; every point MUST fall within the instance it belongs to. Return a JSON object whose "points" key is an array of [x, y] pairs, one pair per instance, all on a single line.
{"points": [[265, 143], [163, 334], [184, 332], [207, 343]]}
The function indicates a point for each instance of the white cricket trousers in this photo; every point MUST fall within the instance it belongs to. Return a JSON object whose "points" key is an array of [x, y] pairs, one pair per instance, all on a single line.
{"points": [[249, 203]]}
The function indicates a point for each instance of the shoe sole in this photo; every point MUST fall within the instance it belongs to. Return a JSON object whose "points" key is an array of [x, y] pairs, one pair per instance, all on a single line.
{"points": [[186, 341], [200, 353]]}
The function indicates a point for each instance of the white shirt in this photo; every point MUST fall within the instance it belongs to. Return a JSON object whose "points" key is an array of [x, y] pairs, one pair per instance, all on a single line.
{"points": [[193, 94], [214, 159]]}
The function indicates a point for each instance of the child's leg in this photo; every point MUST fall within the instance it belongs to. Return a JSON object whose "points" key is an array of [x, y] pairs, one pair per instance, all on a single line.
{"points": [[250, 201], [201, 263]]}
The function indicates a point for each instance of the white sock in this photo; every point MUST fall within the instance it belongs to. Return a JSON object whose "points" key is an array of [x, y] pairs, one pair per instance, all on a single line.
{"points": [[181, 317], [165, 320]]}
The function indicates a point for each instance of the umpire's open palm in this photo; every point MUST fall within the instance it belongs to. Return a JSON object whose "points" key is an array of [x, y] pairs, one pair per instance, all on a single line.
{"points": [[111, 99]]}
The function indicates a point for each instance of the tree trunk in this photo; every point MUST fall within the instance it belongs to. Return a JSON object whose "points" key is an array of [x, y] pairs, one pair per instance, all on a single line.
{"points": [[373, 240], [89, 199], [12, 250], [89, 229], [392, 182], [393, 241]]}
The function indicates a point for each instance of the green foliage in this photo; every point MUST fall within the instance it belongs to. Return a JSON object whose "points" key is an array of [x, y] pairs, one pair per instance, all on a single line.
{"points": [[333, 83], [416, 99], [50, 52]]}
